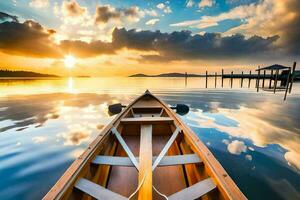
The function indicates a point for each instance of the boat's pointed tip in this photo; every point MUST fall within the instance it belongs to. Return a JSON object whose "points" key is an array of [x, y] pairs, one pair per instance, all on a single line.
{"points": [[147, 92]]}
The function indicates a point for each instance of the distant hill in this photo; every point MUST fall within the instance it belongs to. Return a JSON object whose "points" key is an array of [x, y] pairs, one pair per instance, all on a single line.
{"points": [[8, 73], [174, 74]]}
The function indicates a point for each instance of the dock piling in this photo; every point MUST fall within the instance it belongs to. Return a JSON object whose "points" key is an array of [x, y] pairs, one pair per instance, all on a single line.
{"points": [[263, 83], [242, 78], [231, 79], [270, 83], [249, 79], [257, 79], [275, 82], [216, 80], [287, 84], [293, 77], [206, 79], [222, 77]]}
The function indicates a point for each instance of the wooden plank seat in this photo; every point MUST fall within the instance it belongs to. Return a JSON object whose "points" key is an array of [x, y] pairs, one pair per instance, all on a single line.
{"points": [[195, 191], [165, 161], [147, 120], [97, 191]]}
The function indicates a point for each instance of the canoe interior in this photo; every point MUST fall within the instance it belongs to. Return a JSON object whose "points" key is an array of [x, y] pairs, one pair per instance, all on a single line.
{"points": [[124, 180]]}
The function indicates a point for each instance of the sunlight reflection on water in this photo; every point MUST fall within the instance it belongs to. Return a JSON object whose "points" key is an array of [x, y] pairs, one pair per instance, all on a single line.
{"points": [[46, 124]]}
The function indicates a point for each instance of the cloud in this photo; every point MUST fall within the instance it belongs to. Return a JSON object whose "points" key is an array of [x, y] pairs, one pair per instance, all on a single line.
{"points": [[73, 9], [73, 13], [38, 3], [164, 8], [28, 38], [264, 18], [106, 13], [17, 38], [237, 147], [83, 49], [152, 22], [5, 17], [183, 45], [206, 3], [160, 6], [151, 13]]}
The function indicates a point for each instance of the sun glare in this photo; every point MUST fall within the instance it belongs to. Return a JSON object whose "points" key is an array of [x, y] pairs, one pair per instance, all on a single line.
{"points": [[69, 61]]}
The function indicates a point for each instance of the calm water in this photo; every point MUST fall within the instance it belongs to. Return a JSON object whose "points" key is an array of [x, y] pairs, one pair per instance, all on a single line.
{"points": [[46, 124]]}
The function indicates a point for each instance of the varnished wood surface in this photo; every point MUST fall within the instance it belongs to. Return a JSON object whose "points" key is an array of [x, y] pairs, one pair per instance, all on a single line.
{"points": [[123, 180], [145, 163]]}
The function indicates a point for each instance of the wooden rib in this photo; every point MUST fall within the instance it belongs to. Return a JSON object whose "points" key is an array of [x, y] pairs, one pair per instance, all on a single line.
{"points": [[145, 172], [97, 191], [146, 120], [165, 149], [125, 147], [195, 191]]}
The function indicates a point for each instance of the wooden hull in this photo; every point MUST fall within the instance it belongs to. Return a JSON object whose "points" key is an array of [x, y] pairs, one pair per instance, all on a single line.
{"points": [[146, 152]]}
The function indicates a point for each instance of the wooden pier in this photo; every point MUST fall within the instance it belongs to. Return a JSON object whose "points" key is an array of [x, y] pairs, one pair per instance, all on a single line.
{"points": [[285, 75]]}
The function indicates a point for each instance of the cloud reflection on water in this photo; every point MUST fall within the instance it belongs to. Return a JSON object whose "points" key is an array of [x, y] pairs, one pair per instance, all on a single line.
{"points": [[27, 110]]}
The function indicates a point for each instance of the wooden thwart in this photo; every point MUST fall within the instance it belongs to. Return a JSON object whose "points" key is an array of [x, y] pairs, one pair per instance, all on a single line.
{"points": [[146, 120], [165, 161], [195, 191], [97, 191]]}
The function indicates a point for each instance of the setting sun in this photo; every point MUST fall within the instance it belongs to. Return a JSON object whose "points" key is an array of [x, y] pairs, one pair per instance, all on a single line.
{"points": [[70, 61]]}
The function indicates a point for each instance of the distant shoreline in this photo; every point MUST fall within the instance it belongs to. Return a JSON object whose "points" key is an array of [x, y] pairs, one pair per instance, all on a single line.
{"points": [[172, 75], [24, 74]]}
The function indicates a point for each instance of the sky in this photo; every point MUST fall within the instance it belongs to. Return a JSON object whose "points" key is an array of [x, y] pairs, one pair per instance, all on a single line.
{"points": [[122, 37]]}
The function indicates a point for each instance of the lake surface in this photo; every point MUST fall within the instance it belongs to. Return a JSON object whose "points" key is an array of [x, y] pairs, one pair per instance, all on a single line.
{"points": [[46, 124]]}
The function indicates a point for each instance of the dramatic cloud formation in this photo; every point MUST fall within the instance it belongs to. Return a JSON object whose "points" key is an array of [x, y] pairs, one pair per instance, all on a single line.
{"points": [[184, 45], [17, 38], [28, 38], [265, 18]]}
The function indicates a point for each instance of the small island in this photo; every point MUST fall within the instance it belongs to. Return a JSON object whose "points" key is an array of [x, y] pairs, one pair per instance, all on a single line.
{"points": [[9, 73]]}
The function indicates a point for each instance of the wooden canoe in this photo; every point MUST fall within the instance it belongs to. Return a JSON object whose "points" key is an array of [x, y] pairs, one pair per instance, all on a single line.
{"points": [[145, 153]]}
